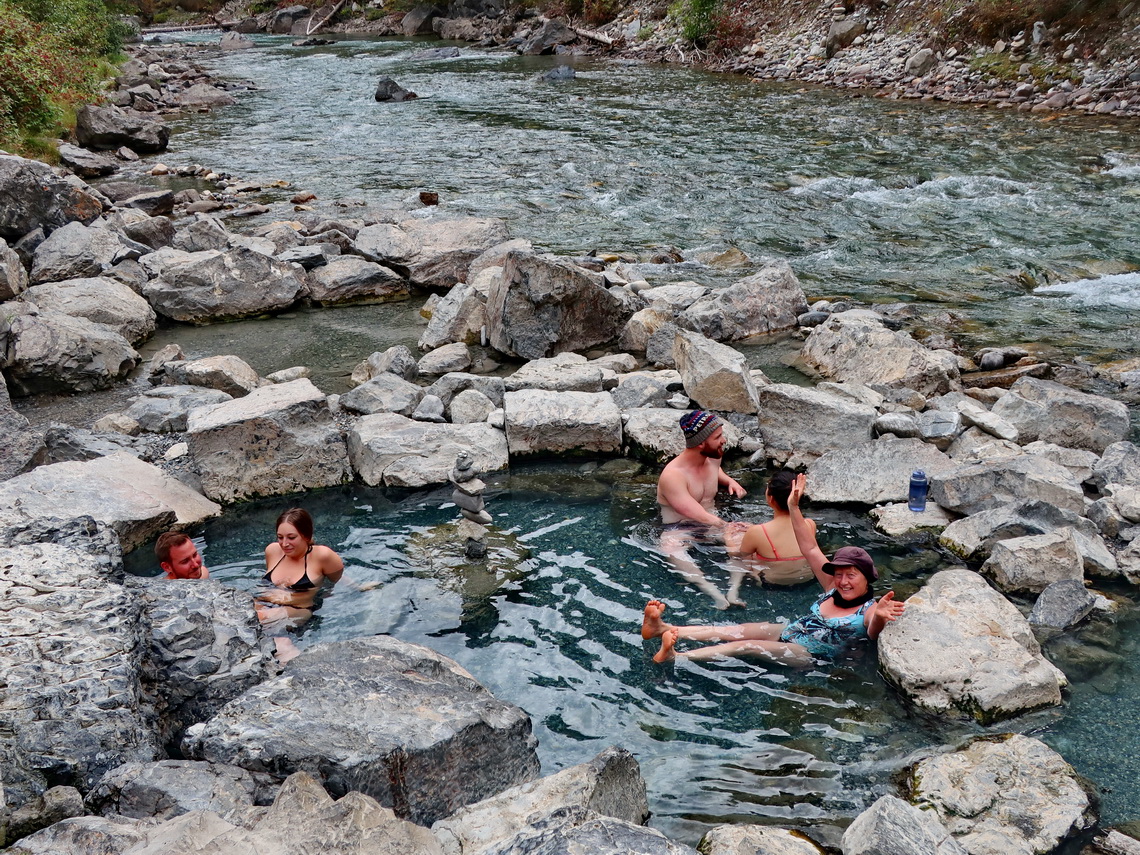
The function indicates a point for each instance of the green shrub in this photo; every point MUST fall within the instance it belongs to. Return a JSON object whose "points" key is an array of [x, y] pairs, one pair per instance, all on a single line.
{"points": [[50, 58], [696, 18]]}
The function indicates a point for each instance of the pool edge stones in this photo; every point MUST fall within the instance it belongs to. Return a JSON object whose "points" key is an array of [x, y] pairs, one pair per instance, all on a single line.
{"points": [[394, 720], [277, 439]]}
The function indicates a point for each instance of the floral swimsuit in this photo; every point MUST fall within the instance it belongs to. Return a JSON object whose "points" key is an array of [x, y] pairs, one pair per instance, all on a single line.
{"points": [[824, 636]]}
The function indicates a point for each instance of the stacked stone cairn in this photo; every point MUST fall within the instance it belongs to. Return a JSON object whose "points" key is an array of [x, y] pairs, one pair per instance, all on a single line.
{"points": [[468, 496]]}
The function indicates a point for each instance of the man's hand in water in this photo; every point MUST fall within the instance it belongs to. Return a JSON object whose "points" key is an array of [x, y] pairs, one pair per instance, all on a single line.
{"points": [[734, 488]]}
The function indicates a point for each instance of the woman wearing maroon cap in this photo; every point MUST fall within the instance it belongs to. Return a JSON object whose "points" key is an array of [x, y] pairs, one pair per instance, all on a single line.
{"points": [[846, 612]]}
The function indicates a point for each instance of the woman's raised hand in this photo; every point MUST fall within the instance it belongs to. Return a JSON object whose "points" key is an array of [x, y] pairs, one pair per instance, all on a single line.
{"points": [[798, 487]]}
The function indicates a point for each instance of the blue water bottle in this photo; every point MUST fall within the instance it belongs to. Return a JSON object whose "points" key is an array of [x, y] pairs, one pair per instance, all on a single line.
{"points": [[919, 484]]}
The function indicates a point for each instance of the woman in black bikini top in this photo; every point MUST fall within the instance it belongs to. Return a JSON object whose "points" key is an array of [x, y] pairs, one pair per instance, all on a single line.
{"points": [[296, 568]]}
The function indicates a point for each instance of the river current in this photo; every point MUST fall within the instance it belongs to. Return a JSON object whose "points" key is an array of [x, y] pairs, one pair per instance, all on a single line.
{"points": [[1025, 227]]}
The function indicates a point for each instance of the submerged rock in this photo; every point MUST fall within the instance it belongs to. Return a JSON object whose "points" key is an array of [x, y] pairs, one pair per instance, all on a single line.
{"points": [[357, 714]]}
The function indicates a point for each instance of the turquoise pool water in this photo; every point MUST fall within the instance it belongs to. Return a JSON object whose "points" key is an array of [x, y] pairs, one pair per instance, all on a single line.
{"points": [[550, 622]]}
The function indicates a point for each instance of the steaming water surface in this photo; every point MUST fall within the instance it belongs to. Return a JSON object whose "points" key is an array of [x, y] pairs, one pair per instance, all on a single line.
{"points": [[1026, 228]]}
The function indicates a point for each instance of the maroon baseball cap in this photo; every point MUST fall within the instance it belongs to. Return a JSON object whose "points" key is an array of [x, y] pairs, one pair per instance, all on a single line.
{"points": [[852, 556]]}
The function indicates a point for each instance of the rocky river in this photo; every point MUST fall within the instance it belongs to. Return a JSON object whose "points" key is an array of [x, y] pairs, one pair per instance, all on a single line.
{"points": [[961, 289]]}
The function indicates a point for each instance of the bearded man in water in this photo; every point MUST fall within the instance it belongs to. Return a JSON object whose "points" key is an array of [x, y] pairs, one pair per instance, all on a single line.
{"points": [[686, 491]]}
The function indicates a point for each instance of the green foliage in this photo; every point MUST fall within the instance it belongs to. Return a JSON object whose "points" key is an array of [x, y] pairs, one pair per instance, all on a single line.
{"points": [[50, 54], [696, 18]]}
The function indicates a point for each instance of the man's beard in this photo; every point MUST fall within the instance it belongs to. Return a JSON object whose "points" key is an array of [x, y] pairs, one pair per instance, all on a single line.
{"points": [[714, 453]]}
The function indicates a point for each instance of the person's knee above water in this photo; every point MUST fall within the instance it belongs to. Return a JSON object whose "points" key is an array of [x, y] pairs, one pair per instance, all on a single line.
{"points": [[178, 556], [846, 612], [689, 482]]}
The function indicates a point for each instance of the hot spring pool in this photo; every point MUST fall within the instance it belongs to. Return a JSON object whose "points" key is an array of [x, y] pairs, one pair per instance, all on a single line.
{"points": [[550, 621]]}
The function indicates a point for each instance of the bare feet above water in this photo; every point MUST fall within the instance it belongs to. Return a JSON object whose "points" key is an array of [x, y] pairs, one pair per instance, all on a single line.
{"points": [[668, 641], [651, 625]]}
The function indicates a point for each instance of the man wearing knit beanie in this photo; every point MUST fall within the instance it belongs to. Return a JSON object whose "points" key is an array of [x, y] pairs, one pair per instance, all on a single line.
{"points": [[686, 491]]}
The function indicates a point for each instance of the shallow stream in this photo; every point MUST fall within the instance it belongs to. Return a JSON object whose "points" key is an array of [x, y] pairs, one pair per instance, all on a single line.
{"points": [[1026, 227]]}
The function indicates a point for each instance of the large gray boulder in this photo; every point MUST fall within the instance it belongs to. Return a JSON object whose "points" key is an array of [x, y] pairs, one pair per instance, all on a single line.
{"points": [[74, 251], [170, 788], [843, 32], [1044, 410], [19, 442], [166, 409], [542, 306], [389, 449], [874, 472], [541, 422], [961, 648], [107, 128], [52, 352], [393, 720], [551, 33], [857, 347], [892, 827], [204, 95], [715, 375], [566, 372], [137, 500], [977, 487], [609, 785], [13, 276], [82, 835], [1005, 794], [766, 302], [1032, 563], [432, 253], [205, 648], [32, 196], [102, 300], [460, 315], [642, 324], [974, 537], [397, 360], [226, 373], [200, 235], [277, 439], [448, 359], [384, 393], [351, 279], [71, 652], [217, 286], [799, 424]]}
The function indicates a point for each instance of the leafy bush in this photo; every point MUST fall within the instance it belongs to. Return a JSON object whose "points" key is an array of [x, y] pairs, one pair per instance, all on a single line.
{"points": [[696, 18], [50, 58]]}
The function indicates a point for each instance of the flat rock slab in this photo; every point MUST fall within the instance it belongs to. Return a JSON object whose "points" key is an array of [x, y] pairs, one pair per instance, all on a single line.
{"points": [[1044, 410], [975, 487], [1005, 794], [541, 422], [395, 721], [396, 451], [277, 439], [71, 645], [898, 519], [136, 499], [577, 832], [873, 472], [962, 648]]}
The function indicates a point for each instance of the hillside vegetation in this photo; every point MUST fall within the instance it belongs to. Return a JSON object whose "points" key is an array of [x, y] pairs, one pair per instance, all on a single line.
{"points": [[54, 55]]}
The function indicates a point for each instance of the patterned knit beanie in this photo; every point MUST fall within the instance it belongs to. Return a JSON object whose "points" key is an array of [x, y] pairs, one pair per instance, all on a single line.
{"points": [[698, 426]]}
